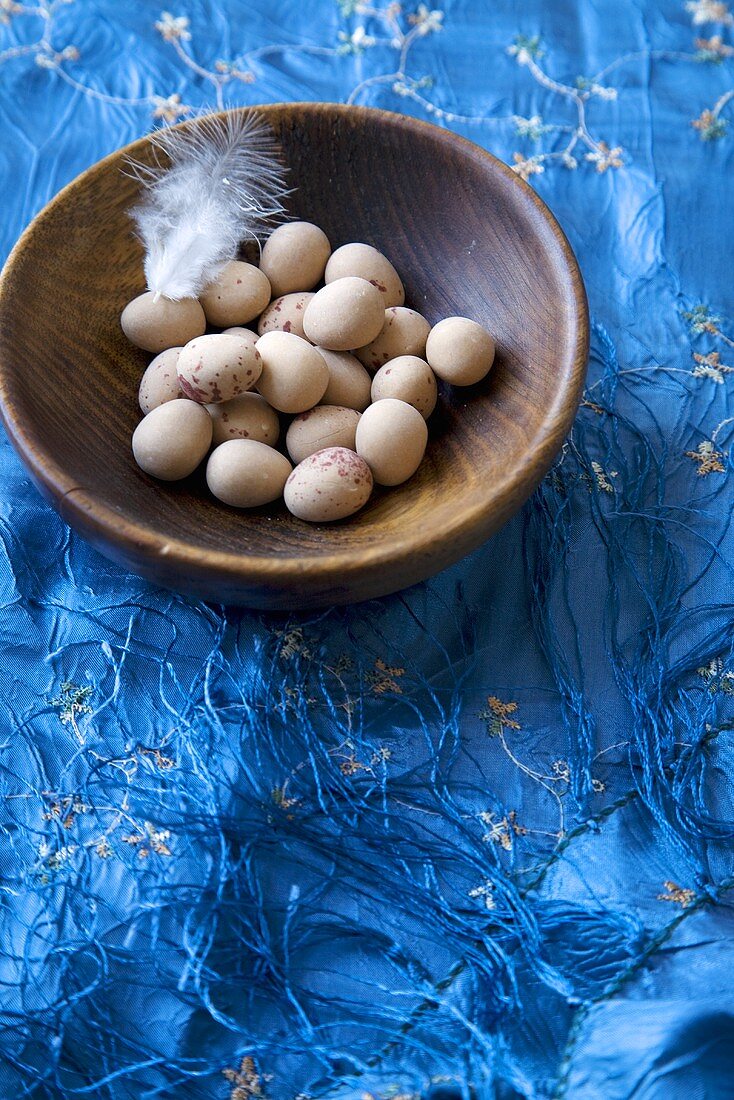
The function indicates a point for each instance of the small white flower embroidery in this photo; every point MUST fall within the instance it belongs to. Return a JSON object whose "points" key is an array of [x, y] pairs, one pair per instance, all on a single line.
{"points": [[605, 158], [170, 108], [709, 11], [173, 28], [426, 20], [526, 166]]}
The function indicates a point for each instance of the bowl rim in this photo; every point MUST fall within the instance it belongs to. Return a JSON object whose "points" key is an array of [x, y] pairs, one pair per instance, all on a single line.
{"points": [[99, 521]]}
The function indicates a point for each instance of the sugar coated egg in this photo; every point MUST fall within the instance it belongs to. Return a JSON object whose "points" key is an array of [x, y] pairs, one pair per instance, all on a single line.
{"points": [[245, 417], [239, 293], [155, 323], [349, 383], [367, 263], [391, 437], [460, 351], [294, 257], [170, 442], [285, 314], [410, 379], [328, 485], [160, 381], [218, 367], [344, 314], [404, 332], [294, 375], [324, 426], [246, 474]]}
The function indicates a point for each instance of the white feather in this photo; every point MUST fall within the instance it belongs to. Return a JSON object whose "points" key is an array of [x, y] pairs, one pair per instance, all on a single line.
{"points": [[222, 183]]}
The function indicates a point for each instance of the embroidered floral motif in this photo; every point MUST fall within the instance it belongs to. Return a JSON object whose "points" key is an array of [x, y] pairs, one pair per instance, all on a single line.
{"points": [[502, 832], [709, 11], [425, 20], [355, 43], [384, 678], [710, 126], [292, 643], [712, 49], [710, 366], [526, 49], [173, 28], [717, 677], [604, 157], [151, 839], [246, 1081], [497, 715], [71, 703], [602, 478], [170, 109], [532, 128], [709, 460], [677, 894], [9, 8], [486, 893], [527, 166], [701, 319]]}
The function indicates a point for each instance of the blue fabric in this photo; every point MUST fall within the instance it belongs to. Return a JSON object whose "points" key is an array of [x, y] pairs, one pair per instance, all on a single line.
{"points": [[471, 840]]}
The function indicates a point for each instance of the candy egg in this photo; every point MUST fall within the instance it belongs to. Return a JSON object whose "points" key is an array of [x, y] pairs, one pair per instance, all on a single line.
{"points": [[460, 351], [294, 376], [410, 379], [366, 262], [329, 485], [170, 442], [245, 333], [404, 332], [246, 474], [156, 323], [391, 437], [216, 368], [294, 257], [349, 383], [324, 426], [239, 293], [285, 315], [344, 314], [160, 381], [245, 417]]}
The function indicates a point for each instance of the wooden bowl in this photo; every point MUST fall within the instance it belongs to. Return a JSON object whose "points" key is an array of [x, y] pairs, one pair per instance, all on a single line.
{"points": [[467, 236]]}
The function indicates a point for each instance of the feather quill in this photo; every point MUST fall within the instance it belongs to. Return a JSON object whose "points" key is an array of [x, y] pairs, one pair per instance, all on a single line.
{"points": [[221, 183]]}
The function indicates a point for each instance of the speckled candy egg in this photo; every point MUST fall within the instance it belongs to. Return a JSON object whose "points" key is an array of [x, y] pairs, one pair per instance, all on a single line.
{"points": [[404, 332], [245, 417], [391, 437], [410, 379], [329, 485], [347, 313], [246, 474], [367, 263], [324, 426], [285, 314], [460, 351], [160, 381], [238, 294], [294, 376], [245, 333], [217, 368], [349, 383], [294, 257], [170, 442], [156, 324]]}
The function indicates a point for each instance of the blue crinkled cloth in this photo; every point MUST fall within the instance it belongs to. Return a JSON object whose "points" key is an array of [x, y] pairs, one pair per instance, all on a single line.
{"points": [[474, 840]]}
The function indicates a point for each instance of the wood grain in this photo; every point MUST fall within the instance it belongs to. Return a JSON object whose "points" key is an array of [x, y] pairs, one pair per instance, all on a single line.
{"points": [[467, 236]]}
